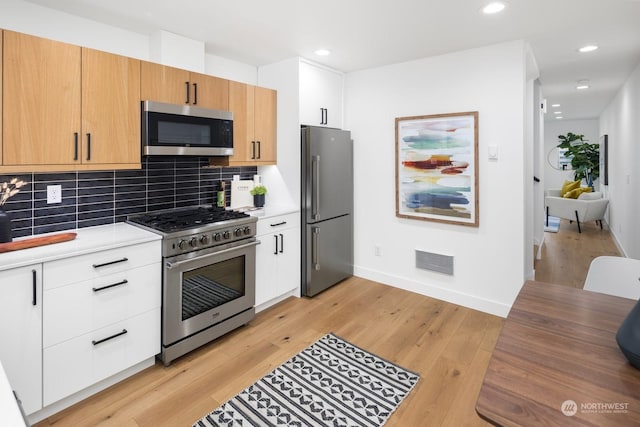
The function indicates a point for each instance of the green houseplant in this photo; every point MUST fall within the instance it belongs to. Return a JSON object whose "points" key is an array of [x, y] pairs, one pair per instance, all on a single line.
{"points": [[258, 193], [585, 157]]}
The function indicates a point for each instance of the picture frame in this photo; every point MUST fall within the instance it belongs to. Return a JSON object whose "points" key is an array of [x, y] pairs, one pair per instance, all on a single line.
{"points": [[604, 158], [437, 168]]}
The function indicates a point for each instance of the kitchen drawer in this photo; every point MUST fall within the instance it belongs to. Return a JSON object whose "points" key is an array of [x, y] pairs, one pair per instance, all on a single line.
{"points": [[76, 309], [281, 222], [76, 364], [99, 264]]}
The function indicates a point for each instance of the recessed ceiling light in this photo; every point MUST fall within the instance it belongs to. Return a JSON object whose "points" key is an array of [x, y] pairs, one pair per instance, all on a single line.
{"points": [[583, 84], [557, 112], [555, 105], [558, 117], [494, 7], [322, 52], [588, 48]]}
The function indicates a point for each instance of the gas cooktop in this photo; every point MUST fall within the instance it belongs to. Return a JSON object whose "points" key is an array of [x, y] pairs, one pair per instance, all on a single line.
{"points": [[172, 220], [193, 229]]}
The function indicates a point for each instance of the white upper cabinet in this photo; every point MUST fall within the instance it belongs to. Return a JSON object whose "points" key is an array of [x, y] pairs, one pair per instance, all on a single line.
{"points": [[321, 93]]}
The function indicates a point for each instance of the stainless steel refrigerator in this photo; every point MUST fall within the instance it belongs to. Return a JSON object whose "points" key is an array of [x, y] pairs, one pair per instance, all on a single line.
{"points": [[327, 208]]}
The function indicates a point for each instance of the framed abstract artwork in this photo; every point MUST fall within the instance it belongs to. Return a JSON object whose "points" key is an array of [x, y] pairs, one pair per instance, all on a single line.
{"points": [[437, 168]]}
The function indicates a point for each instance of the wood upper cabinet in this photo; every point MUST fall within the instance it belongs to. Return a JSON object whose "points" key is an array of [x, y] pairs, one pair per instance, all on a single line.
{"points": [[176, 86], [41, 101], [110, 108], [67, 107], [254, 125], [1, 43]]}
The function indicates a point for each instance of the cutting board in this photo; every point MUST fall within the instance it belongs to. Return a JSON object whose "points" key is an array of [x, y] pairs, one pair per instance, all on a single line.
{"points": [[36, 241], [241, 194]]}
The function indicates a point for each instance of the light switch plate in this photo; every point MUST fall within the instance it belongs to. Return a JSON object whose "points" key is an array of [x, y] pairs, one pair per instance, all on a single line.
{"points": [[54, 194]]}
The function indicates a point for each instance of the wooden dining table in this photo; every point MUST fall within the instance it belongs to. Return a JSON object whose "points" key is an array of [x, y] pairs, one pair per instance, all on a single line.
{"points": [[557, 363]]}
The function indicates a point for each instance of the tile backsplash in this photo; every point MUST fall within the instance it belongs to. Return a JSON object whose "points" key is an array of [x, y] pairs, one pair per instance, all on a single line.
{"points": [[95, 198]]}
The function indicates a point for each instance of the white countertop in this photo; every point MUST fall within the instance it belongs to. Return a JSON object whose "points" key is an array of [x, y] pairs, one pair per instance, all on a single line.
{"points": [[90, 239], [271, 211]]}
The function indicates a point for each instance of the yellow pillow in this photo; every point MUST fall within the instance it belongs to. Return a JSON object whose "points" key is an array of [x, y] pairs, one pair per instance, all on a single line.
{"points": [[573, 194], [568, 186]]}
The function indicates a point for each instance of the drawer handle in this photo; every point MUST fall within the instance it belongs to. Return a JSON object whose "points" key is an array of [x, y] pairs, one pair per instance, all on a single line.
{"points": [[280, 223], [94, 342], [110, 262], [124, 282]]}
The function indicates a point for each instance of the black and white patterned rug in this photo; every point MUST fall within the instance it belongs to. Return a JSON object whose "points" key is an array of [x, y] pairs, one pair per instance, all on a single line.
{"points": [[330, 383]]}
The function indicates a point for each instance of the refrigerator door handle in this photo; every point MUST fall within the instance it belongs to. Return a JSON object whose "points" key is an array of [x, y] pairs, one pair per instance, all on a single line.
{"points": [[315, 187], [315, 236]]}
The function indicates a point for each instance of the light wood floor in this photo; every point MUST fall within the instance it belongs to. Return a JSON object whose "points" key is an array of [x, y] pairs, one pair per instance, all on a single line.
{"points": [[567, 254], [449, 346]]}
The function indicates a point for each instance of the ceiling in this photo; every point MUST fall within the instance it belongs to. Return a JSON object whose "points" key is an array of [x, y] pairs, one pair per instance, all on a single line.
{"points": [[369, 33]]}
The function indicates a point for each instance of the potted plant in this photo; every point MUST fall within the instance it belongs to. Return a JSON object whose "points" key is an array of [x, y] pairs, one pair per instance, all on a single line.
{"points": [[585, 157], [258, 193]]}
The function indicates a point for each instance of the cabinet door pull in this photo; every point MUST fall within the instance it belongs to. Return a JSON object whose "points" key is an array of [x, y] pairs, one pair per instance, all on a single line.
{"points": [[195, 93], [326, 116], [279, 223], [96, 342], [75, 146], [321, 116], [259, 156], [88, 146], [123, 282], [253, 149], [188, 90], [281, 243], [34, 280], [110, 262], [276, 251]]}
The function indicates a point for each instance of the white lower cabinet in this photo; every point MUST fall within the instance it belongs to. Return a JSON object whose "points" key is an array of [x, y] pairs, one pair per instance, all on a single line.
{"points": [[100, 320], [277, 257], [21, 332], [82, 361]]}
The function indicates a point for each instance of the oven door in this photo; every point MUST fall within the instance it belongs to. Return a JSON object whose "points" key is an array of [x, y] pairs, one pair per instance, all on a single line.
{"points": [[202, 290]]}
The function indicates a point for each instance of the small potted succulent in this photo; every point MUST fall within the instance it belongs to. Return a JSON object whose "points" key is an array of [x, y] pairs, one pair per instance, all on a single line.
{"points": [[258, 193]]}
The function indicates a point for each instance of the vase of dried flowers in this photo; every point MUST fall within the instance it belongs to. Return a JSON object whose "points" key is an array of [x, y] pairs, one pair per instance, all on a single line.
{"points": [[7, 190]]}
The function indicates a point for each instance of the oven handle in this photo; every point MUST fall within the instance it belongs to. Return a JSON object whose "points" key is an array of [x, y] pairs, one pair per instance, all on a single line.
{"points": [[235, 248]]}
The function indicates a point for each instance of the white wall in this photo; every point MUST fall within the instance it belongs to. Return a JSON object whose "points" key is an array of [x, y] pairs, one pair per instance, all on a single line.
{"points": [[554, 178], [25, 17], [489, 259], [621, 122]]}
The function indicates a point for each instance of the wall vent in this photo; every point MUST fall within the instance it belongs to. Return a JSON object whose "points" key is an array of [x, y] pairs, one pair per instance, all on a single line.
{"points": [[434, 262]]}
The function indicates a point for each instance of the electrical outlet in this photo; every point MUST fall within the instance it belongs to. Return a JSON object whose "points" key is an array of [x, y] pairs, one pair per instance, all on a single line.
{"points": [[54, 194], [377, 250]]}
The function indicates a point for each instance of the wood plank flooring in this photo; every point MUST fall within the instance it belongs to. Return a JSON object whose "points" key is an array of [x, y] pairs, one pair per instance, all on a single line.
{"points": [[567, 254], [449, 346]]}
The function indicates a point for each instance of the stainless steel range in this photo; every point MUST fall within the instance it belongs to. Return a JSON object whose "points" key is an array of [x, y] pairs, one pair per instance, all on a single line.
{"points": [[208, 275]]}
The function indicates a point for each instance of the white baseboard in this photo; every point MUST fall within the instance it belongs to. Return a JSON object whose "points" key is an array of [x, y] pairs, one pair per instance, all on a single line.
{"points": [[469, 301]]}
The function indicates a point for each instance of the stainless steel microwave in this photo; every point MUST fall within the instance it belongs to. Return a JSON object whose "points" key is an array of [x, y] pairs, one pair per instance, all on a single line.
{"points": [[184, 130]]}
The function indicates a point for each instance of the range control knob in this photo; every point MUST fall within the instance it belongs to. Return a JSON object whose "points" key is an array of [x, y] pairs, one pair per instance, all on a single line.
{"points": [[246, 229], [182, 244], [204, 239], [193, 242], [238, 232], [217, 237], [226, 234]]}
